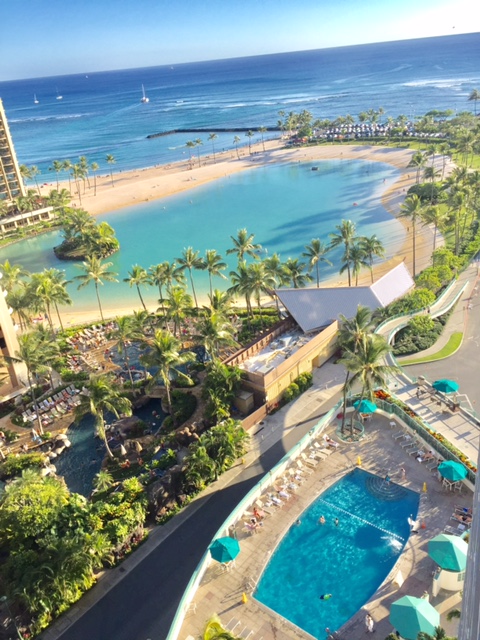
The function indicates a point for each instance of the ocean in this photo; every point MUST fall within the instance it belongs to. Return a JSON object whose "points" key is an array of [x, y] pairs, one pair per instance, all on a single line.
{"points": [[101, 113], [285, 206]]}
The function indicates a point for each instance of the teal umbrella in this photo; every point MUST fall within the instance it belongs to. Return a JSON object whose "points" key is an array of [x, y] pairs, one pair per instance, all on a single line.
{"points": [[449, 552], [445, 385], [411, 615], [224, 549], [365, 406], [451, 470]]}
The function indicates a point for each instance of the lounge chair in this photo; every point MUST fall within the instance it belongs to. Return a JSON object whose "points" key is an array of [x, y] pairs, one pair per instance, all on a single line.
{"points": [[310, 461], [408, 441], [260, 504], [432, 465], [399, 434], [323, 448], [455, 531], [303, 468]]}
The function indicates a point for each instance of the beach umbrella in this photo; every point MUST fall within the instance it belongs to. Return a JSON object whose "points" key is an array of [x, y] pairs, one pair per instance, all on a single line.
{"points": [[138, 447], [445, 385], [449, 552], [122, 450], [451, 470], [224, 549], [365, 406], [411, 615]]}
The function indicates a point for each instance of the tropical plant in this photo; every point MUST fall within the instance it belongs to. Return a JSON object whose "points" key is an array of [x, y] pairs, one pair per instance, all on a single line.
{"points": [[50, 287], [214, 264], [236, 140], [295, 271], [102, 397], [216, 332], [346, 236], [178, 304], [123, 333], [211, 138], [96, 271], [372, 247], [315, 254], [12, 275], [412, 209], [111, 161], [163, 354], [355, 260], [243, 245], [474, 97], [138, 277], [190, 260]]}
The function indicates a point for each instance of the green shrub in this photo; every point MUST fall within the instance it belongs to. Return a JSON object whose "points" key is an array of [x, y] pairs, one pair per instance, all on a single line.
{"points": [[291, 392], [14, 465], [304, 381], [72, 376], [183, 406]]}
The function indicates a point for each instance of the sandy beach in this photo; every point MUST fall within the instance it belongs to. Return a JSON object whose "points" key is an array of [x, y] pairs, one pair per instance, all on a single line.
{"points": [[128, 188]]}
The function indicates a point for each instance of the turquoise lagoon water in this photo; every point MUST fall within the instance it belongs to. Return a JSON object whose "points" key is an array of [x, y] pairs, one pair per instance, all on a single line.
{"points": [[285, 206], [349, 561]]}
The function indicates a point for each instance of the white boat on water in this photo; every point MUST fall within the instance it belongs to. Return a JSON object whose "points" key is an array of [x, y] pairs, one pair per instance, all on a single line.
{"points": [[59, 97], [35, 101], [144, 97]]}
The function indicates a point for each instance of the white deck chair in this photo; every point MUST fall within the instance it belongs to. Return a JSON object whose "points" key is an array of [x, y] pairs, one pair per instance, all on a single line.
{"points": [[303, 468], [310, 461], [323, 448]]}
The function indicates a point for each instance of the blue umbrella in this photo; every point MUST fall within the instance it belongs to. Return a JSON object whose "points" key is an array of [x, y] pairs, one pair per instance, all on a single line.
{"points": [[224, 549], [445, 385], [451, 470], [365, 406], [411, 615]]}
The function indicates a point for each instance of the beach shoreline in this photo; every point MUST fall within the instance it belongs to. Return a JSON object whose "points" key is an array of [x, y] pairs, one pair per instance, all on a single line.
{"points": [[131, 188]]}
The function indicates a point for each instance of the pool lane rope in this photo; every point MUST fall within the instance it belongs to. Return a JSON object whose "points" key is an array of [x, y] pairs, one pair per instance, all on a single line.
{"points": [[371, 524]]}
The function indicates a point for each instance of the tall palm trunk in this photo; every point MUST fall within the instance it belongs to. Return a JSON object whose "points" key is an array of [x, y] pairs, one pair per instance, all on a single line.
{"points": [[58, 315], [98, 300], [193, 287], [140, 296]]}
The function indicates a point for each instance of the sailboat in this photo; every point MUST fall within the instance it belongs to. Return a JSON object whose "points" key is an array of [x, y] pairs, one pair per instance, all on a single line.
{"points": [[35, 101], [144, 97], [59, 97]]}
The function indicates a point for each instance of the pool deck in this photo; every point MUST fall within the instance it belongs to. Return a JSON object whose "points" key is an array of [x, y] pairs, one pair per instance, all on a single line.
{"points": [[221, 590]]}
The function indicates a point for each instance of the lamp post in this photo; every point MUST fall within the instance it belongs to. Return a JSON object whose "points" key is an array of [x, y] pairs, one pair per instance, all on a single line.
{"points": [[4, 599]]}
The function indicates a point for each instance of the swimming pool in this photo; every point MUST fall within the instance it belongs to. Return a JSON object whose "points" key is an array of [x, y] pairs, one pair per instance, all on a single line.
{"points": [[349, 561]]}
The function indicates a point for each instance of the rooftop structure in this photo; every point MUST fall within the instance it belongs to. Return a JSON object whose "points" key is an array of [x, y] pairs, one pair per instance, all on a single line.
{"points": [[11, 183], [314, 308]]}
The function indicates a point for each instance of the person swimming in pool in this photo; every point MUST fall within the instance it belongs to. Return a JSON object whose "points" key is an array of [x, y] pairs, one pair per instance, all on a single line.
{"points": [[325, 596]]}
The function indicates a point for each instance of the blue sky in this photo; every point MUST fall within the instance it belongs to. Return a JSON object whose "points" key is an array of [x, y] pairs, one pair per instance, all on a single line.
{"points": [[69, 36]]}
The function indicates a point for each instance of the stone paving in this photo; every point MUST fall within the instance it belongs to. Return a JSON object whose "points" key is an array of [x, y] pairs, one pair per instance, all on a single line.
{"points": [[221, 590]]}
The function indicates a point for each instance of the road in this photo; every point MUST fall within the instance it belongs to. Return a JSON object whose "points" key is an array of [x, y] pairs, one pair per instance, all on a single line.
{"points": [[142, 605]]}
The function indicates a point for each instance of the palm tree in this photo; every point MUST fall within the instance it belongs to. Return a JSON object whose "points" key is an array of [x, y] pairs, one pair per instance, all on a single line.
{"points": [[50, 287], [261, 131], [315, 253], [198, 143], [440, 634], [66, 166], [96, 271], [240, 280], [211, 138], [355, 261], [111, 161], [352, 333], [163, 354], [236, 140], [199, 467], [220, 301], [372, 247], [191, 260], [250, 135], [12, 275], [124, 332], [346, 235], [214, 264], [412, 208], [474, 97], [417, 162], [367, 367], [295, 270], [178, 304], [433, 215], [138, 277], [103, 480], [274, 267], [430, 173], [102, 397], [94, 167], [57, 166], [259, 283], [25, 173], [216, 332], [243, 245], [37, 351], [78, 173], [190, 145]]}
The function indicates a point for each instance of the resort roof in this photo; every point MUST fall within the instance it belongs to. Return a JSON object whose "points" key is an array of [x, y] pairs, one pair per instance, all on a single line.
{"points": [[314, 308]]}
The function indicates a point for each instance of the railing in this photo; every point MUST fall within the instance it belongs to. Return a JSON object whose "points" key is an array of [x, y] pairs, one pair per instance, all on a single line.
{"points": [[237, 513], [427, 433]]}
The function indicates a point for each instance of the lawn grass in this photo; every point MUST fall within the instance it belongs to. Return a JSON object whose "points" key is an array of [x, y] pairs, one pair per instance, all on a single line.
{"points": [[449, 349]]}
